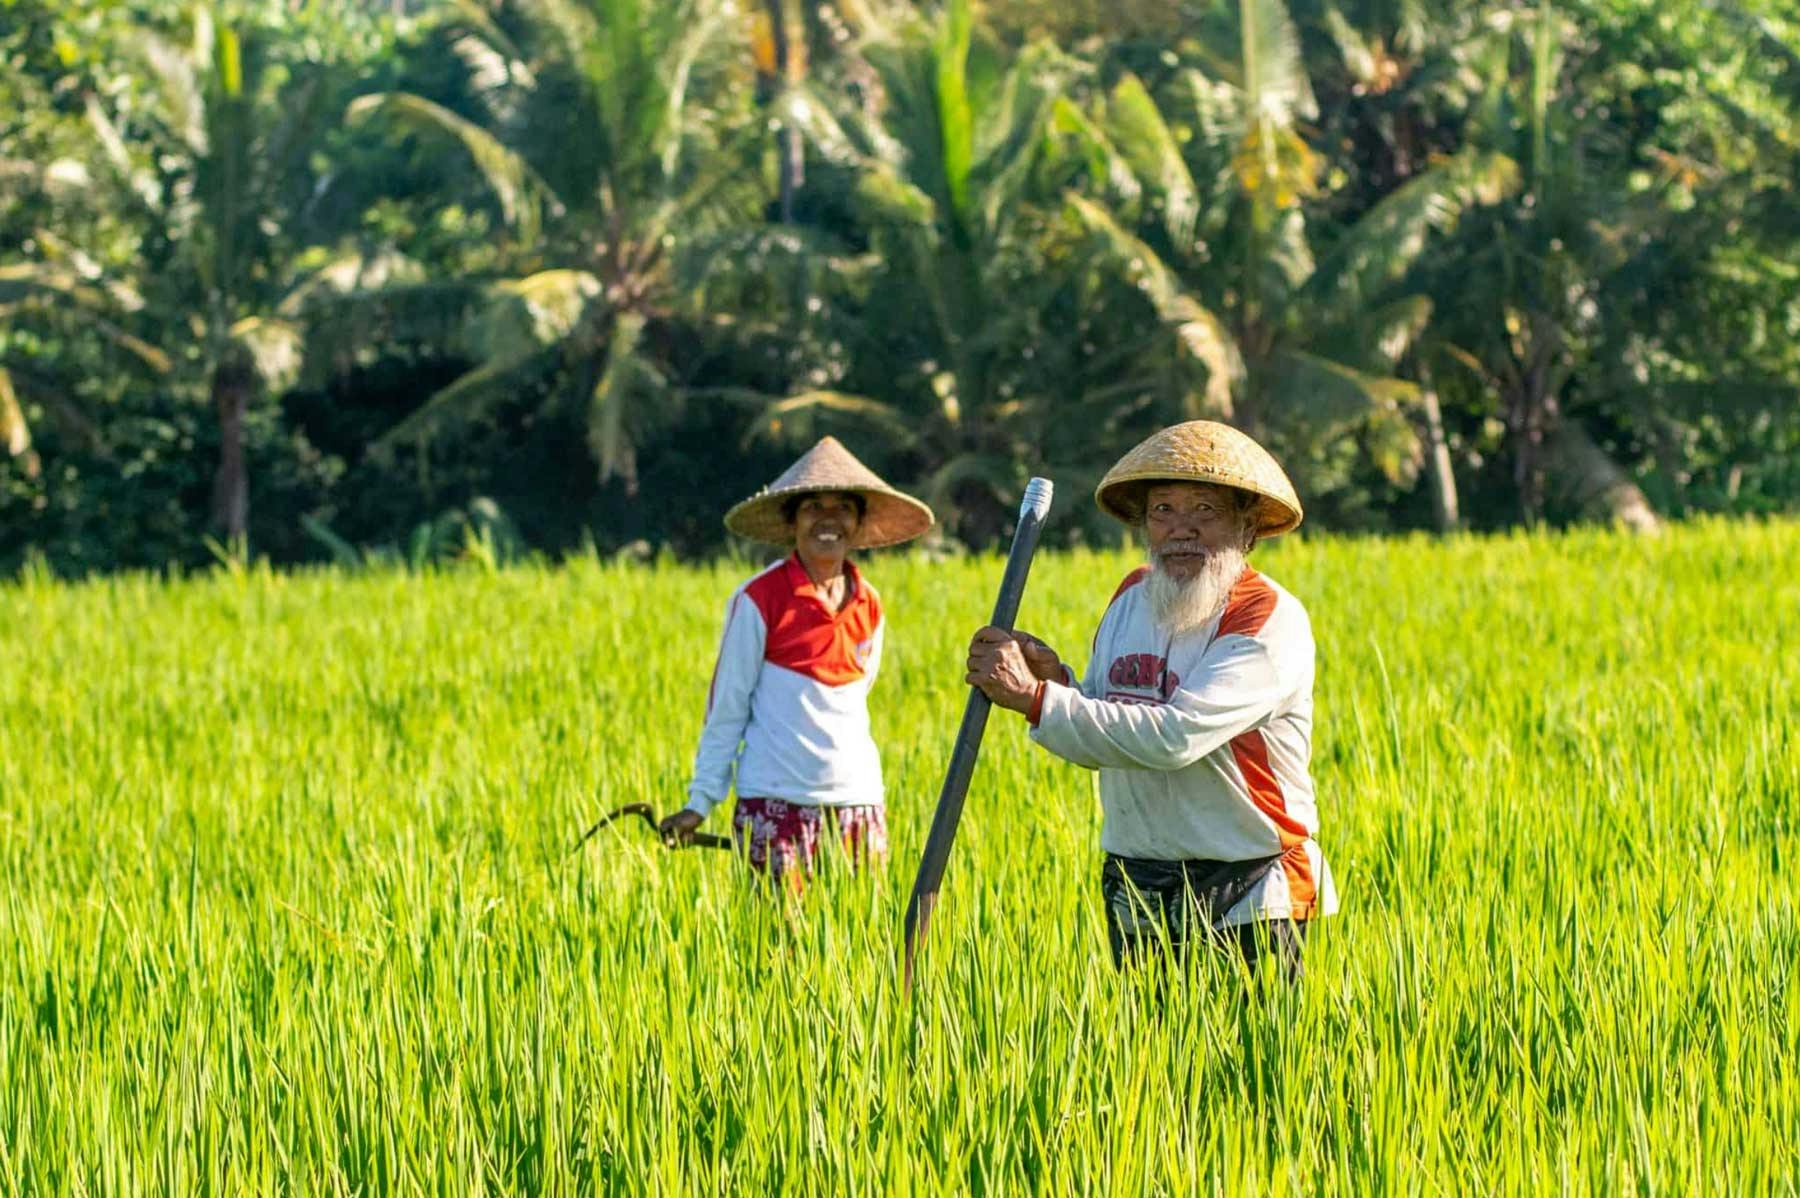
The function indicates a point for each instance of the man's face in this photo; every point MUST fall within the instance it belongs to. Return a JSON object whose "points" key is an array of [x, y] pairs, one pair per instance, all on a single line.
{"points": [[825, 524], [1185, 522]]}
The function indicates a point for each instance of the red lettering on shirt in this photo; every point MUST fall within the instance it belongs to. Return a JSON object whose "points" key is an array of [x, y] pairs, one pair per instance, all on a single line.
{"points": [[1142, 671]]}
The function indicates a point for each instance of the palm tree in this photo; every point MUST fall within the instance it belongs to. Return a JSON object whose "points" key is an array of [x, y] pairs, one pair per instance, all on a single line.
{"points": [[952, 321], [1393, 79], [215, 169], [1302, 336], [1545, 259], [613, 134]]}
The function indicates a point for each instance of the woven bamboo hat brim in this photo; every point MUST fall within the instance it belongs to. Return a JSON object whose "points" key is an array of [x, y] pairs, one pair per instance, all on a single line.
{"points": [[891, 517], [1201, 451]]}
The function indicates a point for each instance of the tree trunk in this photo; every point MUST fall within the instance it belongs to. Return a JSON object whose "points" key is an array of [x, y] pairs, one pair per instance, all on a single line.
{"points": [[789, 151], [1445, 509], [232, 386], [1592, 484], [1533, 413]]}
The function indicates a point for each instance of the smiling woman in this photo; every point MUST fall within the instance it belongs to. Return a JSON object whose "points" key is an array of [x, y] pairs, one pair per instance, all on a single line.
{"points": [[787, 716], [824, 526]]}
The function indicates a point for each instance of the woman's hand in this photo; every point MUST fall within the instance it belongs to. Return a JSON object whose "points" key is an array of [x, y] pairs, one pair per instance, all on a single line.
{"points": [[998, 667], [678, 829]]}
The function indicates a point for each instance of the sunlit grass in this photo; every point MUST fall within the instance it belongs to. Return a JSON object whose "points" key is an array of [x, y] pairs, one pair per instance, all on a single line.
{"points": [[286, 903]]}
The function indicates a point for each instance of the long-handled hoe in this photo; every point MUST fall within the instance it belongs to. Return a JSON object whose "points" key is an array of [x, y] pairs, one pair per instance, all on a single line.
{"points": [[974, 722]]}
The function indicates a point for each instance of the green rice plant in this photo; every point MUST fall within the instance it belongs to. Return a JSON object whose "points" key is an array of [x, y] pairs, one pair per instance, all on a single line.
{"points": [[287, 904]]}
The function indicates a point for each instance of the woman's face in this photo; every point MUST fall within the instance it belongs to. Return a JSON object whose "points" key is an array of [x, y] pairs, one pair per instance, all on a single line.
{"points": [[825, 524]]}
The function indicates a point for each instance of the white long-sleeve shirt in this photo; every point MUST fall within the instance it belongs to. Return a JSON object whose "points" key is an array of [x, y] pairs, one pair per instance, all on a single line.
{"points": [[787, 711], [1203, 741]]}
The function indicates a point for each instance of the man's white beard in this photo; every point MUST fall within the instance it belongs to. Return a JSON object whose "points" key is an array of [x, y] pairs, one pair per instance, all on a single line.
{"points": [[1182, 605]]}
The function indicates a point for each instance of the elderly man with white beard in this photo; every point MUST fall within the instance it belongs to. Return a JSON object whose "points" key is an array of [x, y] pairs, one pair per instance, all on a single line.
{"points": [[1196, 709]]}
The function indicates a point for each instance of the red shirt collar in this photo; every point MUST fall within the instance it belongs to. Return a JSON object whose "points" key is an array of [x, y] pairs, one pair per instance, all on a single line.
{"points": [[802, 582]]}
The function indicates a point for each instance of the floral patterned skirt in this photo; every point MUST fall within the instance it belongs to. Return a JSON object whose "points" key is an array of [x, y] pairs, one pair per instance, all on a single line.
{"points": [[782, 839]]}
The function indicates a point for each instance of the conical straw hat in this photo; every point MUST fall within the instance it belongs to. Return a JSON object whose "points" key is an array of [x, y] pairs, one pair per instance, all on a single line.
{"points": [[1201, 451], [890, 519]]}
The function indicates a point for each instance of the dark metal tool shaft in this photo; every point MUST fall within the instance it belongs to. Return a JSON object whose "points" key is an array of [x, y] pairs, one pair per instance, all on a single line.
{"points": [[974, 723]]}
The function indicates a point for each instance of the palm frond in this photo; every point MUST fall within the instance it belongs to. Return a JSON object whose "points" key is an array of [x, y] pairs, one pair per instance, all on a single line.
{"points": [[701, 28], [1384, 244], [998, 474], [1412, 26], [74, 423], [1330, 398], [272, 347], [888, 197], [1391, 440], [574, 28], [766, 270], [479, 24], [1275, 79], [1287, 256], [350, 272], [1107, 167], [621, 379], [470, 397], [802, 107], [58, 294], [1010, 138], [495, 76], [139, 186], [1357, 55], [794, 419], [58, 254], [21, 282], [956, 120], [521, 192], [525, 314], [1219, 112], [1199, 332], [1137, 128], [1375, 340], [179, 89], [344, 329], [303, 116]]}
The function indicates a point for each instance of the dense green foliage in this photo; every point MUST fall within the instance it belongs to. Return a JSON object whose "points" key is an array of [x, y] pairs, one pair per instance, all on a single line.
{"points": [[352, 266], [289, 906]]}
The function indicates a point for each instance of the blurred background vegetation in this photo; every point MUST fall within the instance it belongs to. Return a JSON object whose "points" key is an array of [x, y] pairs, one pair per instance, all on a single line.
{"points": [[326, 279]]}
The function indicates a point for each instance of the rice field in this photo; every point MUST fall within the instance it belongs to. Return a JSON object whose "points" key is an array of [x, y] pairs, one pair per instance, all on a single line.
{"points": [[287, 904]]}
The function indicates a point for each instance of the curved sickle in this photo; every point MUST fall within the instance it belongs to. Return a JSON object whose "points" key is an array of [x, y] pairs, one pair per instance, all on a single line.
{"points": [[705, 840]]}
